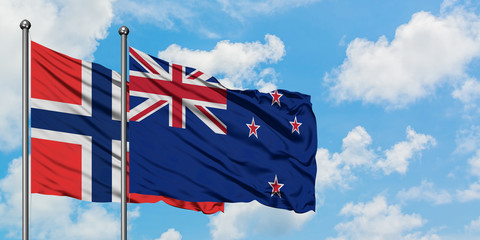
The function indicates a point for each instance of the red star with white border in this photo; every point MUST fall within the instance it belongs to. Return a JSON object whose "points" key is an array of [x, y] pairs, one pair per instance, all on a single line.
{"points": [[253, 128], [276, 97], [276, 187], [296, 125]]}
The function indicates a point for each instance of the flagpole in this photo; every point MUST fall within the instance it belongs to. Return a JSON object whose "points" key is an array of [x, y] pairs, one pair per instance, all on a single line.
{"points": [[123, 31], [25, 26]]}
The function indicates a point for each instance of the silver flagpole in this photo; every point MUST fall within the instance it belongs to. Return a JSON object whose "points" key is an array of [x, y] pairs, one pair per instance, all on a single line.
{"points": [[25, 26], [123, 31]]}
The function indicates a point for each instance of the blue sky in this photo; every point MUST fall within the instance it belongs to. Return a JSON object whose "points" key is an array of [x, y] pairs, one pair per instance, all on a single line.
{"points": [[395, 88]]}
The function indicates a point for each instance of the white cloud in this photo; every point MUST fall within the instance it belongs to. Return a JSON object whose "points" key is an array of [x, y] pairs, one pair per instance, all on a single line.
{"points": [[71, 27], [238, 63], [397, 157], [170, 234], [11, 198], [172, 14], [100, 223], [468, 140], [53, 217], [169, 14], [243, 9], [447, 5], [337, 168], [470, 194], [473, 192], [425, 192], [163, 13], [420, 236], [426, 52], [268, 78], [243, 219], [378, 220], [132, 214], [474, 163], [355, 150], [331, 171], [468, 93], [474, 226], [342, 43]]}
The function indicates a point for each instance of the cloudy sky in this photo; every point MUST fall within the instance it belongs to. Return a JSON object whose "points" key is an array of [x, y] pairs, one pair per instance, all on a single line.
{"points": [[395, 88]]}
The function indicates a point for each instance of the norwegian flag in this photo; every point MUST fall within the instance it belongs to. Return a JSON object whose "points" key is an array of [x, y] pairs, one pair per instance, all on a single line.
{"points": [[75, 126], [162, 84]]}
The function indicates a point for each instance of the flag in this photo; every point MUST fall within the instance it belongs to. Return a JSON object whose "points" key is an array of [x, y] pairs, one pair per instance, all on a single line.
{"points": [[193, 139], [75, 131]]}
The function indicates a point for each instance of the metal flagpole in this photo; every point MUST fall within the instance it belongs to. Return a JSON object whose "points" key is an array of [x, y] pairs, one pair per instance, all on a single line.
{"points": [[123, 31], [25, 26]]}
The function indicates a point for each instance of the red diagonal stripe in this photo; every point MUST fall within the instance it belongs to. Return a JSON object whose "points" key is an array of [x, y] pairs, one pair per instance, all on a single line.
{"points": [[212, 118], [148, 110], [195, 75], [150, 68]]}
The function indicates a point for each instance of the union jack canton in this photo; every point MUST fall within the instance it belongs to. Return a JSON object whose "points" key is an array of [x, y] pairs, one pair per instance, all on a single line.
{"points": [[162, 84]]}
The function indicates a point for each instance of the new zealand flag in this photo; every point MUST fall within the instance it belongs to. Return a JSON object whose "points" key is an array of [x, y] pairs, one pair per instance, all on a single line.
{"points": [[194, 140]]}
